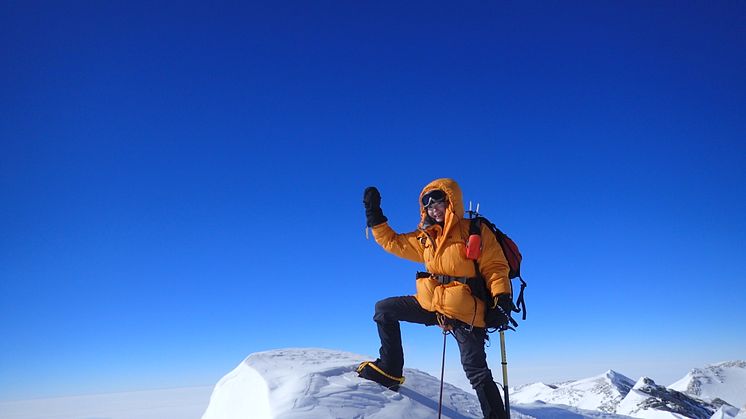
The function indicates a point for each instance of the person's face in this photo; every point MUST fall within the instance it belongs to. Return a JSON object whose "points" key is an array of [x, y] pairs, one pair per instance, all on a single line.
{"points": [[437, 211]]}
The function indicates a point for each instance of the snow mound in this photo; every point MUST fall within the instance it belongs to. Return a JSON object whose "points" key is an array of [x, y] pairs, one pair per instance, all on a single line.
{"points": [[725, 381], [319, 383]]}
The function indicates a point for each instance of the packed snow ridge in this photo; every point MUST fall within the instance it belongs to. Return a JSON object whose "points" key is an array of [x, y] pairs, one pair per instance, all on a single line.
{"points": [[317, 383], [321, 383]]}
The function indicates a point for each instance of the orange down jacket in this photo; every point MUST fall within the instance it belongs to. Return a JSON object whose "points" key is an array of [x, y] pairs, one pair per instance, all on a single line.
{"points": [[443, 251]]}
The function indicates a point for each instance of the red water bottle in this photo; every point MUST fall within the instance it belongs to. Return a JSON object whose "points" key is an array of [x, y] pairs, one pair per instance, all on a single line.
{"points": [[474, 243], [474, 247]]}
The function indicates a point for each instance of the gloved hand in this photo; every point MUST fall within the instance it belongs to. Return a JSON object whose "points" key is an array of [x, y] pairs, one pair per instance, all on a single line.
{"points": [[505, 303], [372, 201]]}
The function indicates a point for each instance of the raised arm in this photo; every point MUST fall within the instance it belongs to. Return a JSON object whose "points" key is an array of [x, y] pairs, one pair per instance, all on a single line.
{"points": [[403, 245]]}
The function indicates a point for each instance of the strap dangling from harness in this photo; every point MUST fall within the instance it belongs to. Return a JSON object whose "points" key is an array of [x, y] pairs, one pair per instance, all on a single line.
{"points": [[520, 303]]}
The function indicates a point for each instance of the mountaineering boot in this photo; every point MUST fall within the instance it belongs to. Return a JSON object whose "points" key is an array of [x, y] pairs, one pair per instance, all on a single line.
{"points": [[371, 371], [490, 400]]}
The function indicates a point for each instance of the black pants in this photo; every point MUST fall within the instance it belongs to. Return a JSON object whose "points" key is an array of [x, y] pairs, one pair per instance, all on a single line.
{"points": [[390, 311]]}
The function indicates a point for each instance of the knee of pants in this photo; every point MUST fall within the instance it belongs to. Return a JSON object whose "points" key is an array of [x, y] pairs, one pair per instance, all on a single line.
{"points": [[478, 376], [383, 312]]}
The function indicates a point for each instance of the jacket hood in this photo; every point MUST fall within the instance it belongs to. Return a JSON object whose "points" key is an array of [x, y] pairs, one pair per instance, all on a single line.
{"points": [[455, 209]]}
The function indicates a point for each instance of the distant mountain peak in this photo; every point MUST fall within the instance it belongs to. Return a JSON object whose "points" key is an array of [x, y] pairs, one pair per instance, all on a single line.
{"points": [[611, 373], [646, 395], [730, 364], [614, 393], [643, 382], [724, 380], [621, 381], [602, 392]]}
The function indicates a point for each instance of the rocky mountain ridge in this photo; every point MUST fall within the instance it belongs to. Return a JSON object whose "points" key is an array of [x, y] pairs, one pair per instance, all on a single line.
{"points": [[715, 390]]}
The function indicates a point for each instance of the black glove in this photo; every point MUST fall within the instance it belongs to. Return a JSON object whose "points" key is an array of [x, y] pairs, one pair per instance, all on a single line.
{"points": [[372, 201], [505, 302], [498, 315]]}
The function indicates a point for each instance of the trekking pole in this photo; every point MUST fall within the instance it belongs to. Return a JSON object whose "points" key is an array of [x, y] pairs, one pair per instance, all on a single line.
{"points": [[442, 371], [505, 373]]}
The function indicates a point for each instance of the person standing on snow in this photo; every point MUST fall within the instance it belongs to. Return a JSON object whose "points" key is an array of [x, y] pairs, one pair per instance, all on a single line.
{"points": [[443, 296]]}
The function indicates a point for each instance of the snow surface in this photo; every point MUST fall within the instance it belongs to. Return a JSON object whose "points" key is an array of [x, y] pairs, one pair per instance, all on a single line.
{"points": [[729, 412], [320, 383], [317, 383], [180, 403]]}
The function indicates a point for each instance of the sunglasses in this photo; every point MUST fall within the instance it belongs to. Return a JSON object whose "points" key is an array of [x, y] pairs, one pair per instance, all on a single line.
{"points": [[433, 197]]}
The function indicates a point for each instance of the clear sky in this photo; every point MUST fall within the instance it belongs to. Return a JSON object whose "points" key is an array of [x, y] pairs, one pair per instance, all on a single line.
{"points": [[181, 183]]}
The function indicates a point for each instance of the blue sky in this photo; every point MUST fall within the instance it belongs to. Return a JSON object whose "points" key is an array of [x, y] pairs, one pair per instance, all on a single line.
{"points": [[181, 183]]}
